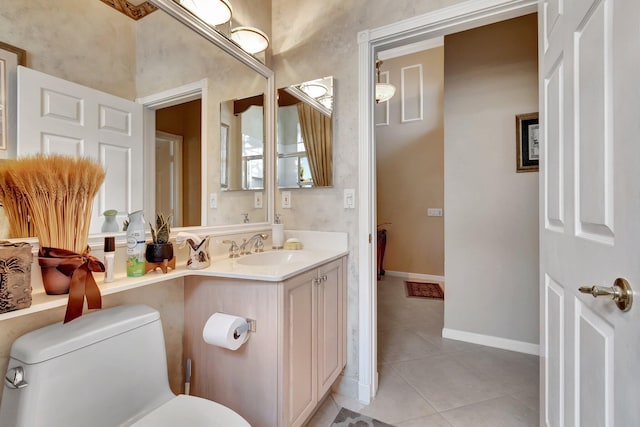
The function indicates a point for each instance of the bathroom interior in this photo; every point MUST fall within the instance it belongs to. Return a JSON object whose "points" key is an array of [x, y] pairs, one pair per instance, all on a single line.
{"points": [[159, 63]]}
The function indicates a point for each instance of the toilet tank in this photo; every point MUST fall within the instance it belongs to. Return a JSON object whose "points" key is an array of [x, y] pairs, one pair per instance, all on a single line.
{"points": [[106, 368]]}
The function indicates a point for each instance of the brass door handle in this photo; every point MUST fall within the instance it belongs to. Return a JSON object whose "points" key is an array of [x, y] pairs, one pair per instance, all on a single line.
{"points": [[621, 293]]}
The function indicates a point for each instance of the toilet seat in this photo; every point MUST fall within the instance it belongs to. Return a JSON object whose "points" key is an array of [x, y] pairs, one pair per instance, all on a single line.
{"points": [[192, 411]]}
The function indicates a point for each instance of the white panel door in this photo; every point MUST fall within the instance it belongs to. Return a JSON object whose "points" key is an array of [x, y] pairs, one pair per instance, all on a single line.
{"points": [[590, 210], [61, 117]]}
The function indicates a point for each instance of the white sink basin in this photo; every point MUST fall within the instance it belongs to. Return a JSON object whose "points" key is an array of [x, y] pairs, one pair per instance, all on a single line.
{"points": [[275, 258]]}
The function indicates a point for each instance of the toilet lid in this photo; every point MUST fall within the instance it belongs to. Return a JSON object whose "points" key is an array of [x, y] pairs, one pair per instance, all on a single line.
{"points": [[192, 411]]}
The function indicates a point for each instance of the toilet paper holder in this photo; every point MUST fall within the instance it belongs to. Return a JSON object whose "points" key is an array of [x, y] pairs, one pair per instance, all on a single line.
{"points": [[249, 326]]}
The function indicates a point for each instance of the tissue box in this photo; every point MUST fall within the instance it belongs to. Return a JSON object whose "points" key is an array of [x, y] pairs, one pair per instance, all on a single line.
{"points": [[15, 276]]}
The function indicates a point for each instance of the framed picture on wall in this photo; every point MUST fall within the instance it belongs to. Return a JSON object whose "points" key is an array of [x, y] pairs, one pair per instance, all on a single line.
{"points": [[10, 58], [527, 143]]}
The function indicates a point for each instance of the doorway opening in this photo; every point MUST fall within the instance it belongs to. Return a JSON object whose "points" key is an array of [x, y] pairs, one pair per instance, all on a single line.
{"points": [[442, 22], [175, 126], [178, 172]]}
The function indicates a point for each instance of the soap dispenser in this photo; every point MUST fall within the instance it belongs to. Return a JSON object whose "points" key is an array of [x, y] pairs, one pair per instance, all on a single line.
{"points": [[277, 233]]}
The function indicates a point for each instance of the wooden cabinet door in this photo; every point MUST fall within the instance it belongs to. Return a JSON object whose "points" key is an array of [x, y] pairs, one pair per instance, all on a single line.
{"points": [[330, 302], [299, 372]]}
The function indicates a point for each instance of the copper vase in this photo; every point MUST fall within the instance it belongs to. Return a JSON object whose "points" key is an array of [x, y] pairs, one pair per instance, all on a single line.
{"points": [[55, 282]]}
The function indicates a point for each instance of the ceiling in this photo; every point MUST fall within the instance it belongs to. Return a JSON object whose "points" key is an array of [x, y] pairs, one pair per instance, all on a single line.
{"points": [[134, 9]]}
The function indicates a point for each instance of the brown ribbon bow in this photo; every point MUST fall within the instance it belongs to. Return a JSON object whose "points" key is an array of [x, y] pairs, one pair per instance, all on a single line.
{"points": [[79, 267]]}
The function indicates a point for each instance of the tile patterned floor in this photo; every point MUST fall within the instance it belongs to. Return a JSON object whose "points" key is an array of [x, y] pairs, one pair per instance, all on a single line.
{"points": [[429, 381]]}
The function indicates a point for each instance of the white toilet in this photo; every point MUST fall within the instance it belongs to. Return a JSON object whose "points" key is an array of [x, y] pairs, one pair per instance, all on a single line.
{"points": [[107, 368]]}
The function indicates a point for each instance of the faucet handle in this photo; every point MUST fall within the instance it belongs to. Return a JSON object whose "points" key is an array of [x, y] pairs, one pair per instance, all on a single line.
{"points": [[234, 249], [259, 246], [245, 247]]}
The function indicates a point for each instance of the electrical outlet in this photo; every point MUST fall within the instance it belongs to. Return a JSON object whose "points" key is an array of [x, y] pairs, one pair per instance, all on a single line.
{"points": [[286, 199], [213, 200], [349, 198], [434, 212], [257, 200]]}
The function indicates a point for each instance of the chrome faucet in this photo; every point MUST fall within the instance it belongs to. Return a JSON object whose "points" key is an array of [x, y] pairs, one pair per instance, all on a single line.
{"points": [[245, 247], [234, 249]]}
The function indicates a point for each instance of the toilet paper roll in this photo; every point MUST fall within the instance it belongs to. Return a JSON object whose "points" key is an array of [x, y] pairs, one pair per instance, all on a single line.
{"points": [[220, 328]]}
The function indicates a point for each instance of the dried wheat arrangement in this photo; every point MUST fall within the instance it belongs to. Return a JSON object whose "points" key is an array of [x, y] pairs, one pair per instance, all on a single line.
{"points": [[59, 191], [15, 206]]}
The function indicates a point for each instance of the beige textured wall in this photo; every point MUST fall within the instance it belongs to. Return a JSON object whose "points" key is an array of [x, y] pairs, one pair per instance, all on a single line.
{"points": [[322, 41], [410, 171], [86, 42], [491, 223], [185, 120]]}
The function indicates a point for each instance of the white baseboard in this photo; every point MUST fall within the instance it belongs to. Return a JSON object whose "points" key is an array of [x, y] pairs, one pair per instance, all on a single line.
{"points": [[491, 341], [414, 276]]}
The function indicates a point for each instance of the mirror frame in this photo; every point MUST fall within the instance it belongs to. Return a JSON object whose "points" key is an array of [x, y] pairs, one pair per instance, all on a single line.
{"points": [[219, 40]]}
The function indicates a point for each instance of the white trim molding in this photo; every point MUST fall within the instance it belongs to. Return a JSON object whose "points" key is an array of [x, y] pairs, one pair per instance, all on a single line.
{"points": [[412, 48], [462, 16], [491, 341], [419, 93]]}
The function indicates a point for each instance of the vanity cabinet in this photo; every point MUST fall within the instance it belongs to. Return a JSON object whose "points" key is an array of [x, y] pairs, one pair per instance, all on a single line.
{"points": [[277, 378], [313, 339]]}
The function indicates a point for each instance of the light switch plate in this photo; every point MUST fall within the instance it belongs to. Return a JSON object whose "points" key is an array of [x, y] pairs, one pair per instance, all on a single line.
{"points": [[213, 200], [349, 198], [434, 212], [257, 200], [286, 199]]}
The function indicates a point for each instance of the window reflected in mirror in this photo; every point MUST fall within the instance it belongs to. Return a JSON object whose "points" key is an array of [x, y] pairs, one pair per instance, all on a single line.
{"points": [[242, 144]]}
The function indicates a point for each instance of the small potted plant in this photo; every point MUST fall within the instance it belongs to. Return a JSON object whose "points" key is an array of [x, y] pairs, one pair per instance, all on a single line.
{"points": [[161, 249]]}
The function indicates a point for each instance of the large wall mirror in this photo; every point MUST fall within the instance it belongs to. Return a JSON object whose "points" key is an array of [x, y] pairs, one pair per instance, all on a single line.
{"points": [[305, 134], [91, 44]]}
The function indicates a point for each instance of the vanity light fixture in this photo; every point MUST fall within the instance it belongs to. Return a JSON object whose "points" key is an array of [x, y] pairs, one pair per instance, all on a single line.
{"points": [[213, 12], [384, 91], [250, 39], [314, 89]]}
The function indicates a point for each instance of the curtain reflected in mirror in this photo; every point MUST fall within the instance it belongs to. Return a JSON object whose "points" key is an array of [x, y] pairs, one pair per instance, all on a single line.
{"points": [[305, 134]]}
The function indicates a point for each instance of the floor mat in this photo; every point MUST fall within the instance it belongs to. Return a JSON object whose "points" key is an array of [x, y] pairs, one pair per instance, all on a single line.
{"points": [[424, 290], [347, 418]]}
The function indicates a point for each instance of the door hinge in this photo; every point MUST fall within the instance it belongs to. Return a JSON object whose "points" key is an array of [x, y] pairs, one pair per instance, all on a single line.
{"points": [[370, 239]]}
